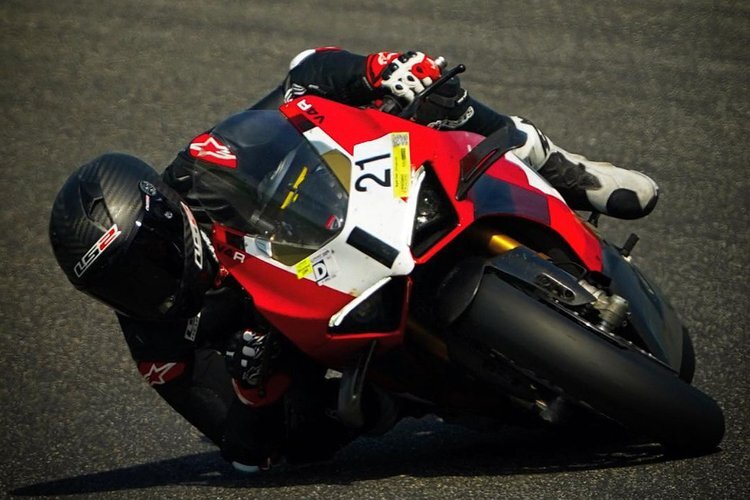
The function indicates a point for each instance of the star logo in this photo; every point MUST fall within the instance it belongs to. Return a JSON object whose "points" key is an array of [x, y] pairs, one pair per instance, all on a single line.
{"points": [[208, 148], [385, 58], [160, 373]]}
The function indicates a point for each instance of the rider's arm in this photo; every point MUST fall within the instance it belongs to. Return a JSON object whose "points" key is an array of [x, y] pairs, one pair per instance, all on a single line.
{"points": [[343, 77], [332, 73], [485, 120], [193, 381]]}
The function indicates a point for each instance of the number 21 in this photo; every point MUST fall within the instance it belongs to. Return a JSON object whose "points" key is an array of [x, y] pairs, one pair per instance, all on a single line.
{"points": [[384, 180]]}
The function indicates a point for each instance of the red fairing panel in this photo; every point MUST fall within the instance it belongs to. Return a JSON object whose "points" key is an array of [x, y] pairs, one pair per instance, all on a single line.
{"points": [[299, 308], [580, 237], [524, 195], [290, 304]]}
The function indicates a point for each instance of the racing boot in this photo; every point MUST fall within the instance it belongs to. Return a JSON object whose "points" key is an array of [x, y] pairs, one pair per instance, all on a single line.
{"points": [[584, 184], [600, 186]]}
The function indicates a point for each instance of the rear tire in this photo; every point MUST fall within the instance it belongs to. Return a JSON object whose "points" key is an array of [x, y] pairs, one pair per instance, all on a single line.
{"points": [[620, 383]]}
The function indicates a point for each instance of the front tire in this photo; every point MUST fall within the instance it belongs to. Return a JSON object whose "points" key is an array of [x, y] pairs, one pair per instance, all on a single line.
{"points": [[620, 383]]}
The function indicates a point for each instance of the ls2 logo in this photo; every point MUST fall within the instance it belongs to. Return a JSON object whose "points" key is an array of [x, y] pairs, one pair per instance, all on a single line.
{"points": [[96, 250]]}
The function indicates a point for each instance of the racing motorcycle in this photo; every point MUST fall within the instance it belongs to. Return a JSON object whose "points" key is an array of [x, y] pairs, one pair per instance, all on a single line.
{"points": [[438, 267]]}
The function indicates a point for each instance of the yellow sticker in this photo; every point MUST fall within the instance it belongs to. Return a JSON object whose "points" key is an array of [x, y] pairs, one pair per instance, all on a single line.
{"points": [[401, 164], [303, 268], [293, 193]]}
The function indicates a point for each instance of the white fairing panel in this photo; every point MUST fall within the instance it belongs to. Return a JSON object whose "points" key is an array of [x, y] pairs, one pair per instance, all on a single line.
{"points": [[380, 205]]}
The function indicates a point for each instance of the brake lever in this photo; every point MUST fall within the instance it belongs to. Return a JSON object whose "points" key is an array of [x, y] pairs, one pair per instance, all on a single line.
{"points": [[411, 109]]}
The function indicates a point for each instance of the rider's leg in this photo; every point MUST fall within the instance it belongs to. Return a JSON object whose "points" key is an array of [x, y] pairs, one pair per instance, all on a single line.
{"points": [[585, 184]]}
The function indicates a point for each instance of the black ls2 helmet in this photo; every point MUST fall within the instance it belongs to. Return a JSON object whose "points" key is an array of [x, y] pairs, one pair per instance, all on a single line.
{"points": [[124, 237]]}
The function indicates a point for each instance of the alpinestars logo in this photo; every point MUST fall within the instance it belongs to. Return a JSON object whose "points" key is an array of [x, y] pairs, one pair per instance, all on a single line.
{"points": [[96, 250], [208, 148], [385, 58], [156, 373]]}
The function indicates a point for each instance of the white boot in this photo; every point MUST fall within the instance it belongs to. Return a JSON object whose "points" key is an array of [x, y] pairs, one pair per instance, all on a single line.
{"points": [[585, 184]]}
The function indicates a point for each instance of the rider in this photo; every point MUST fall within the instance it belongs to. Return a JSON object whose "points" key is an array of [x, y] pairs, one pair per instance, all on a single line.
{"points": [[358, 80]]}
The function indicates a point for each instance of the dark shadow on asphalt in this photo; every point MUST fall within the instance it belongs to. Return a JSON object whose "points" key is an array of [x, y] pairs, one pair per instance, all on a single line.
{"points": [[416, 448]]}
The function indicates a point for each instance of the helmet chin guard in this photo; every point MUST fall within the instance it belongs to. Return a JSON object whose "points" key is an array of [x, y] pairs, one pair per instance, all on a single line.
{"points": [[198, 270]]}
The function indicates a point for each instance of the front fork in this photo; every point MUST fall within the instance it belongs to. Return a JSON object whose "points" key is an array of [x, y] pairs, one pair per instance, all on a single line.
{"points": [[351, 387]]}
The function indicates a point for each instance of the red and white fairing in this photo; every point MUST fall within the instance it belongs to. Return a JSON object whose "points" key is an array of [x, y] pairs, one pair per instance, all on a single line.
{"points": [[386, 156]]}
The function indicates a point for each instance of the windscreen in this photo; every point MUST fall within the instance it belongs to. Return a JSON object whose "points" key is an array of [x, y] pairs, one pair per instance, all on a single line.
{"points": [[281, 190]]}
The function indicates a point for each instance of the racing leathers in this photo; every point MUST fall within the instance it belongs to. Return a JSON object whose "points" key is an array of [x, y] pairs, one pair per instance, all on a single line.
{"points": [[185, 361], [181, 359]]}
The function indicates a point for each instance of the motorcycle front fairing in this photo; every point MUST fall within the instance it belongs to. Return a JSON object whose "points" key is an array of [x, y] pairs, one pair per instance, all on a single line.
{"points": [[314, 210], [315, 231]]}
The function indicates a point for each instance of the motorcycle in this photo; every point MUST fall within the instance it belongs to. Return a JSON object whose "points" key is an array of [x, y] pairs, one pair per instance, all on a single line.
{"points": [[438, 267]]}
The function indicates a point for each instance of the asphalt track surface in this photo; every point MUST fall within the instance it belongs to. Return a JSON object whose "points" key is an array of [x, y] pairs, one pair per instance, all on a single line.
{"points": [[657, 86]]}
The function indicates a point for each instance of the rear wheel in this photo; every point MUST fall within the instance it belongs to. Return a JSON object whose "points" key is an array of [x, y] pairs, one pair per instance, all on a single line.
{"points": [[620, 382]]}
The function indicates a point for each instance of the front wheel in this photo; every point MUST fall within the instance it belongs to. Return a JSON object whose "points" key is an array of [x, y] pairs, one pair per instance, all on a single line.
{"points": [[621, 383]]}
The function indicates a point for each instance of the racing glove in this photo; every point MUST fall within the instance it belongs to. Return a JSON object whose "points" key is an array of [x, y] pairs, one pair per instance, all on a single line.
{"points": [[245, 354], [402, 75], [250, 359]]}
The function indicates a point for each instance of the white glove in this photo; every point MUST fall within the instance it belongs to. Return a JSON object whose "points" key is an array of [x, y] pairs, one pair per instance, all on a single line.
{"points": [[403, 75]]}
